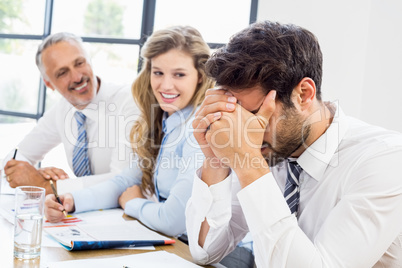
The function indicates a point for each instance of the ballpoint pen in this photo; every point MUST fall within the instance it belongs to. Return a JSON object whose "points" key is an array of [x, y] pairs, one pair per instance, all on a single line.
{"points": [[15, 154], [57, 196]]}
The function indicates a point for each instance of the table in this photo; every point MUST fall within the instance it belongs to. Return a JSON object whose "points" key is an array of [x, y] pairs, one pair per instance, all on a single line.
{"points": [[49, 254]]}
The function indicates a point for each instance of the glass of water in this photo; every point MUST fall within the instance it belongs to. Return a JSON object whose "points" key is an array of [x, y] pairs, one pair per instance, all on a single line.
{"points": [[29, 210]]}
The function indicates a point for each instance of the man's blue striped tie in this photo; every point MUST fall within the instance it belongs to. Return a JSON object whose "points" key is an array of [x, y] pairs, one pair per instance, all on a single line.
{"points": [[292, 190], [81, 164]]}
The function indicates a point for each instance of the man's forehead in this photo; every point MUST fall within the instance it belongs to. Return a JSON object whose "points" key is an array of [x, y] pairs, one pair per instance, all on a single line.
{"points": [[62, 53], [69, 47], [249, 98]]}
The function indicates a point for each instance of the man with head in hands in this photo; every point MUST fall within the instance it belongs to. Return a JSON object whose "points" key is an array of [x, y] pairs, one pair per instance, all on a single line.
{"points": [[92, 120], [314, 187]]}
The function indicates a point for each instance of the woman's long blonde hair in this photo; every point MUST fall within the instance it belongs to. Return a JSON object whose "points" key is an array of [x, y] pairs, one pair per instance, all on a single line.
{"points": [[146, 134]]}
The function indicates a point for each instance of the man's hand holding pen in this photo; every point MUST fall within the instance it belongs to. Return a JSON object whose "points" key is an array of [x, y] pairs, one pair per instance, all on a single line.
{"points": [[20, 173], [23, 173], [8, 172]]}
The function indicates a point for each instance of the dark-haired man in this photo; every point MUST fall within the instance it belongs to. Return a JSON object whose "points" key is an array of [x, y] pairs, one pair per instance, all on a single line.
{"points": [[315, 187]]}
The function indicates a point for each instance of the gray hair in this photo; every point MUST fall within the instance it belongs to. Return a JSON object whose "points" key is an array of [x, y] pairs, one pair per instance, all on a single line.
{"points": [[51, 40]]}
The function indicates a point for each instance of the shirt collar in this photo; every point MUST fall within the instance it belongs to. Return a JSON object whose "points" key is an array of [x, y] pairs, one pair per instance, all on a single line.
{"points": [[323, 152], [179, 117]]}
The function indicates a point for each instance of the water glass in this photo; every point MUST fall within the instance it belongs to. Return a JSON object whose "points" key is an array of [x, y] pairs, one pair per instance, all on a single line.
{"points": [[29, 211]]}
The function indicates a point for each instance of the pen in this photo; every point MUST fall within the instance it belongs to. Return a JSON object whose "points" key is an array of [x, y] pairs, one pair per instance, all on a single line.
{"points": [[57, 196], [15, 152]]}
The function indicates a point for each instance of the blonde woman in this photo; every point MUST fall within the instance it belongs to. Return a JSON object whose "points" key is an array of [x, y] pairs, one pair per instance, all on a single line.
{"points": [[156, 186]]}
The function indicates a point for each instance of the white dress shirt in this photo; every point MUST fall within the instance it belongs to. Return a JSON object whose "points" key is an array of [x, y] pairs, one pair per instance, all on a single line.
{"points": [[350, 212], [109, 118]]}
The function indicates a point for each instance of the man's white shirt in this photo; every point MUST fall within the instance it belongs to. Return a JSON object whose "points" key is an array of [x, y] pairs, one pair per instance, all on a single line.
{"points": [[349, 213], [109, 118]]}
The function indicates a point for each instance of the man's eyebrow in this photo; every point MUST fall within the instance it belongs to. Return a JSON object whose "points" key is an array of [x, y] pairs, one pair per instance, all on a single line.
{"points": [[62, 69], [80, 58]]}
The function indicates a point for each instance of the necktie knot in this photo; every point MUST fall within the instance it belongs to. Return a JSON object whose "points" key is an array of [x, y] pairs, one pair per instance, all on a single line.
{"points": [[292, 190], [294, 170], [80, 118]]}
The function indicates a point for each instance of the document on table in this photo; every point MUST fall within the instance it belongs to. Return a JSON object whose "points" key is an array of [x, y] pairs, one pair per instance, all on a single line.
{"points": [[107, 216], [4, 186], [150, 260], [104, 216], [106, 235], [7, 205], [113, 215]]}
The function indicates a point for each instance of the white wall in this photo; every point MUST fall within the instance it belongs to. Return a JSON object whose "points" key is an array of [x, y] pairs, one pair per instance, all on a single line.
{"points": [[362, 45]]}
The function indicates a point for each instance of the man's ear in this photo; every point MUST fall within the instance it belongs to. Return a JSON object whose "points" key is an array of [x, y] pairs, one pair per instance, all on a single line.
{"points": [[48, 84], [305, 91]]}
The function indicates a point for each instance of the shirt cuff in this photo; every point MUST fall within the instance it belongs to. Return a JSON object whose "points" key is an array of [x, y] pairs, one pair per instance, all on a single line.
{"points": [[69, 185], [83, 200], [218, 194], [133, 207], [263, 203]]}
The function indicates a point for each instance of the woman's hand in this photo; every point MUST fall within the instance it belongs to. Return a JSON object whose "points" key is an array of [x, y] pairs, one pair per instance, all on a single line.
{"points": [[129, 194]]}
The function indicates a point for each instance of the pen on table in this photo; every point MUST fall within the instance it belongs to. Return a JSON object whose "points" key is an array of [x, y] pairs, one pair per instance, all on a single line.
{"points": [[57, 196], [15, 152]]}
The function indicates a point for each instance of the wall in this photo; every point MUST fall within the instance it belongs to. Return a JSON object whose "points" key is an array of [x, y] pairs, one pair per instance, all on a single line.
{"points": [[362, 45]]}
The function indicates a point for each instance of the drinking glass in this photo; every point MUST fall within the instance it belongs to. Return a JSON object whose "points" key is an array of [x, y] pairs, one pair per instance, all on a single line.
{"points": [[29, 211]]}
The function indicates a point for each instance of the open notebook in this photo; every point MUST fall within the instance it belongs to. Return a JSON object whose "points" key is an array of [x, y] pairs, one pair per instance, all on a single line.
{"points": [[106, 235]]}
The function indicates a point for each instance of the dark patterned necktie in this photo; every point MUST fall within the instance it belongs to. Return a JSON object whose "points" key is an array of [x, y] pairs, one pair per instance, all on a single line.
{"points": [[292, 190]]}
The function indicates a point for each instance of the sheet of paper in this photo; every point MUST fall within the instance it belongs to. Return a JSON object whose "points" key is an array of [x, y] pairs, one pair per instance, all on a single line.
{"points": [[127, 230], [7, 206], [8, 214], [71, 219], [140, 248], [91, 217], [150, 260], [5, 187], [48, 241], [68, 233], [102, 216]]}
